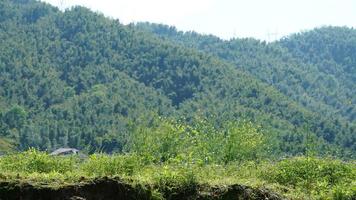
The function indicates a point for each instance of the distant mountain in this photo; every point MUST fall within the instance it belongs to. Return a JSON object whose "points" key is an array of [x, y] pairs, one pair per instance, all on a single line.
{"points": [[332, 50], [315, 68], [78, 79]]}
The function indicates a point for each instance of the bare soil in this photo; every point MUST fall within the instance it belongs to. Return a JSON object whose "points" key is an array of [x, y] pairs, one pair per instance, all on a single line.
{"points": [[110, 189]]}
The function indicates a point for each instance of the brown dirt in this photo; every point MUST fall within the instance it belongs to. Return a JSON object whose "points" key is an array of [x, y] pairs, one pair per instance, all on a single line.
{"points": [[100, 189], [110, 189]]}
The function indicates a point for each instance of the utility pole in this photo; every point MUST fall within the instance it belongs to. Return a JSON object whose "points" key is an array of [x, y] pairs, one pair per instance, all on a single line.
{"points": [[62, 4], [272, 36]]}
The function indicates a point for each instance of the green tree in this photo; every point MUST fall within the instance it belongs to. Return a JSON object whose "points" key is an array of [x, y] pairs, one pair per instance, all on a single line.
{"points": [[15, 117]]}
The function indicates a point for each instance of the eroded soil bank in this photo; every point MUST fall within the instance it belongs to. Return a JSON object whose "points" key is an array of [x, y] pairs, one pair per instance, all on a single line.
{"points": [[110, 189]]}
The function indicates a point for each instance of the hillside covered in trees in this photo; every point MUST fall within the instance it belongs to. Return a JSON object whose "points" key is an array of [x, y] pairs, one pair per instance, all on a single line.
{"points": [[79, 79]]}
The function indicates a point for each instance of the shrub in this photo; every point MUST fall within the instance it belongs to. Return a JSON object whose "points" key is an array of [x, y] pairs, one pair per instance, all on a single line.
{"points": [[108, 165], [33, 161], [319, 177], [243, 142], [178, 177], [198, 143]]}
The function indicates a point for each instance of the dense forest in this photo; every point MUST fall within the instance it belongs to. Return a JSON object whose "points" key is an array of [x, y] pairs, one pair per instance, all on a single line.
{"points": [[314, 68], [79, 79]]}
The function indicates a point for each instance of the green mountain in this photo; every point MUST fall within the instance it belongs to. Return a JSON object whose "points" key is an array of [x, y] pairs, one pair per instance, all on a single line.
{"points": [[332, 52], [78, 79], [297, 65], [314, 68]]}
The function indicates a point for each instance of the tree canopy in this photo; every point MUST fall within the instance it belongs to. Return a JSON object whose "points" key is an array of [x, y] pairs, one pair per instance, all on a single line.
{"points": [[79, 79]]}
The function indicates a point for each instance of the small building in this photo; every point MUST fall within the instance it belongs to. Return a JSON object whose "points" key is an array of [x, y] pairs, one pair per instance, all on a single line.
{"points": [[65, 151]]}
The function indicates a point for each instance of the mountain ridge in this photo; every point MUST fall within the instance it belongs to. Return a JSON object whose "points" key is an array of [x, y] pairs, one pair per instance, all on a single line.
{"points": [[81, 61]]}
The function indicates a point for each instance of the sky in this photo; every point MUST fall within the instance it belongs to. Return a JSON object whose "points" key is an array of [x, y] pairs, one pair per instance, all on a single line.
{"points": [[261, 19]]}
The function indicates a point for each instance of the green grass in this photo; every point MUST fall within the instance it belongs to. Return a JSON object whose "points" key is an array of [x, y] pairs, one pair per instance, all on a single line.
{"points": [[315, 178], [295, 178]]}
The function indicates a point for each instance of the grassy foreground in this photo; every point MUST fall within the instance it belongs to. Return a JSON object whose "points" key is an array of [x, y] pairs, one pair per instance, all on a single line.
{"points": [[294, 178]]}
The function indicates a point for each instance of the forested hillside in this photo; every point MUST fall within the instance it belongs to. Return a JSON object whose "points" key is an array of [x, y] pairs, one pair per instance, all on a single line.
{"points": [[315, 68], [78, 79], [332, 51]]}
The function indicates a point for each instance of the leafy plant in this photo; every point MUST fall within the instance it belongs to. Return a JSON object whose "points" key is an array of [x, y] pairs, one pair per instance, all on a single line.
{"points": [[319, 177], [98, 165], [34, 161]]}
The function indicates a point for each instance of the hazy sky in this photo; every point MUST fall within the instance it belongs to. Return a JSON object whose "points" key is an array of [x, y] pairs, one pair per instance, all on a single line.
{"points": [[262, 19]]}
